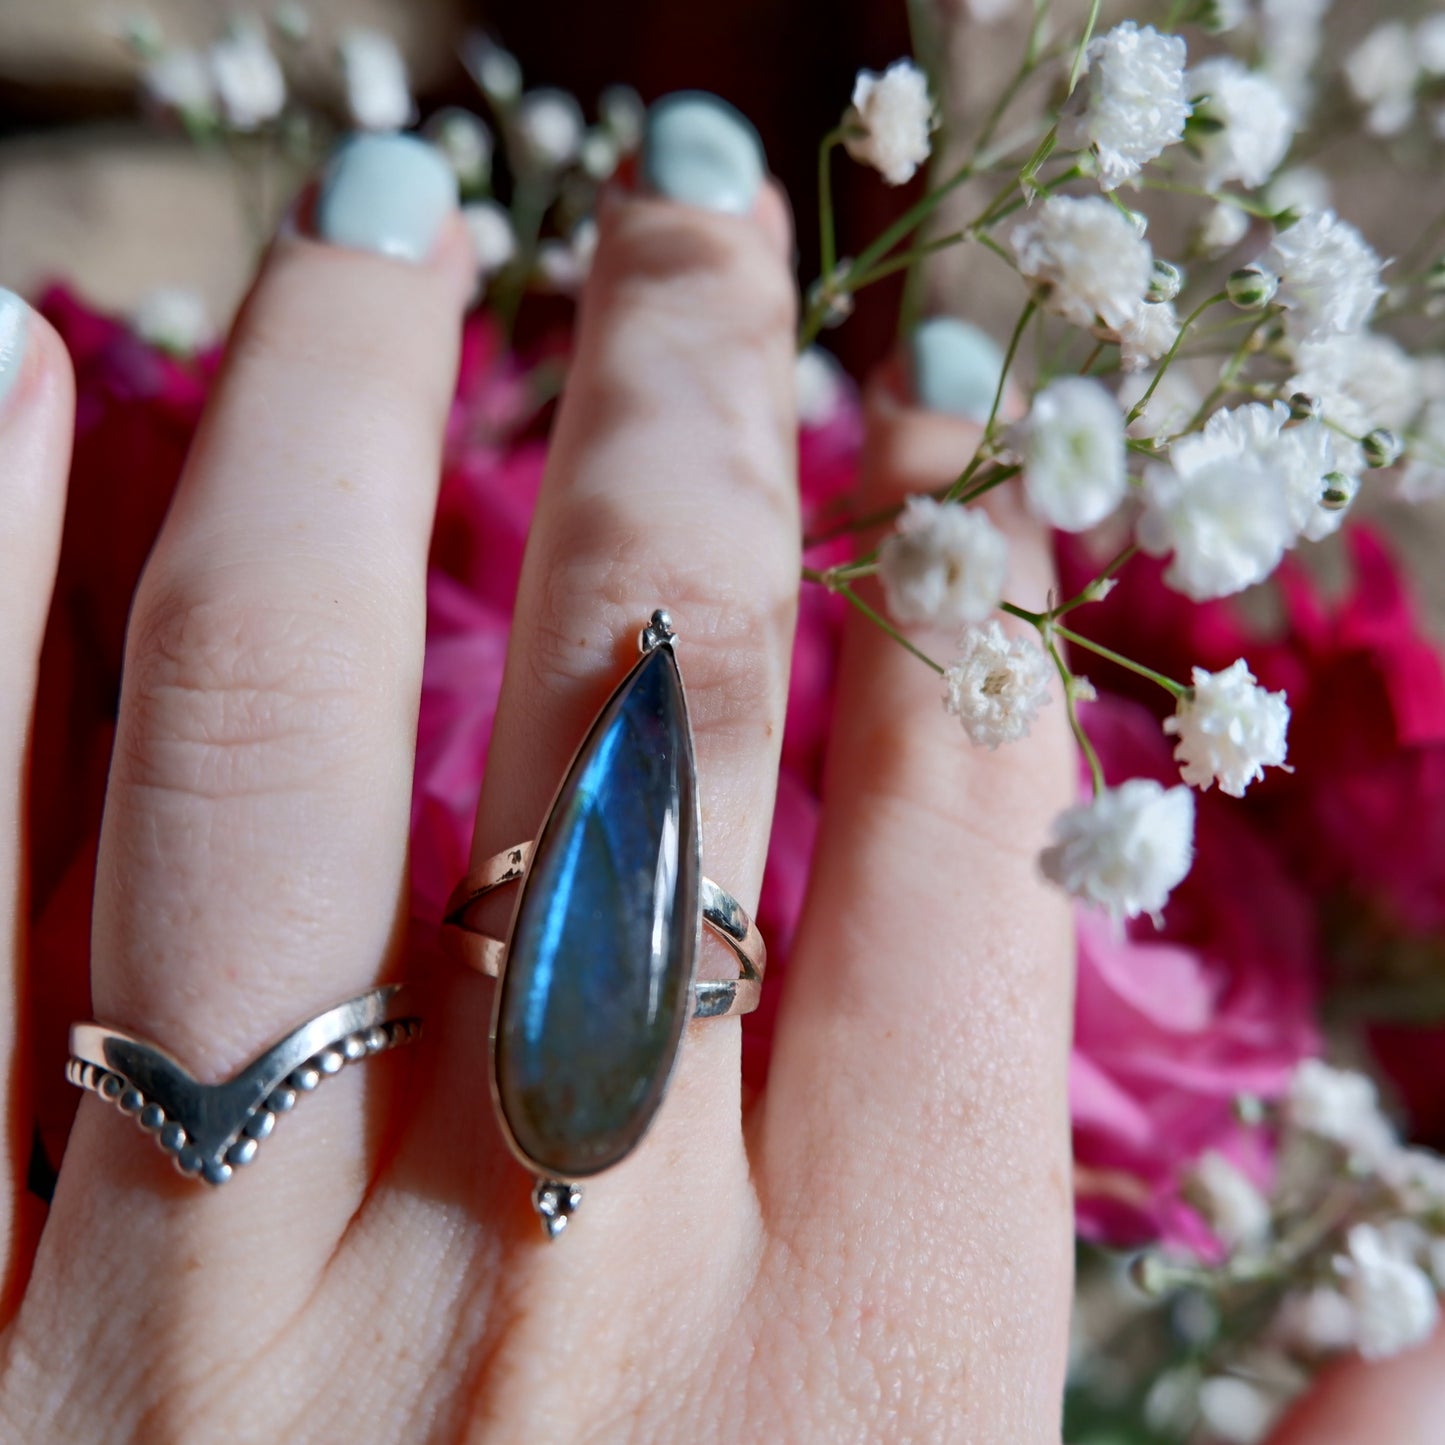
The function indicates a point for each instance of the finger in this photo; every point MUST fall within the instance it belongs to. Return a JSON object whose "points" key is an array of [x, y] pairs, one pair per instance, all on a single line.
{"points": [[1394, 1402], [37, 406], [670, 482], [919, 1060], [253, 850]]}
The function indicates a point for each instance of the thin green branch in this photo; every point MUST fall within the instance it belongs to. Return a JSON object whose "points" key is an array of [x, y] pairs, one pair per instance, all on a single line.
{"points": [[1137, 410]]}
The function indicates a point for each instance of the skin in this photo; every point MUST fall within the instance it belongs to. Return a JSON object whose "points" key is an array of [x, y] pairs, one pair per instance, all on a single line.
{"points": [[878, 1248]]}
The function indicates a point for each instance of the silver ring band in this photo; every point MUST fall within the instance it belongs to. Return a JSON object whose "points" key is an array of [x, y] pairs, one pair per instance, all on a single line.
{"points": [[210, 1130], [721, 912]]}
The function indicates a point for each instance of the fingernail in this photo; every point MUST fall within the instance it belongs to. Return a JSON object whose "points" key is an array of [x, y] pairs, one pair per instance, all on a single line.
{"points": [[700, 150], [14, 325], [386, 193], [954, 367]]}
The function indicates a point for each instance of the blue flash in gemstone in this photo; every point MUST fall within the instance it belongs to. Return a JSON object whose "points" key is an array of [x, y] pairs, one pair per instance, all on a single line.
{"points": [[598, 982]]}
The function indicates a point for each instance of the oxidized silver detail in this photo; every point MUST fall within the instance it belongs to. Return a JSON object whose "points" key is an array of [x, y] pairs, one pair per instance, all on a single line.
{"points": [[556, 1202], [211, 1130]]}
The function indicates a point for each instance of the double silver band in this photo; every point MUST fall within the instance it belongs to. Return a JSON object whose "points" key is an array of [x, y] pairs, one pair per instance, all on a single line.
{"points": [[721, 912], [210, 1130]]}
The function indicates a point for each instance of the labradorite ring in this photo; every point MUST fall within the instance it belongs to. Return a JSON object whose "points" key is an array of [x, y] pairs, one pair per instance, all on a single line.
{"points": [[211, 1130], [598, 970]]}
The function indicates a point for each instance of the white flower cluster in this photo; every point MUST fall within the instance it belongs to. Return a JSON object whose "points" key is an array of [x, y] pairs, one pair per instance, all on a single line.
{"points": [[943, 566], [1072, 445], [1088, 262], [1386, 71], [1353, 1215], [1232, 498], [1329, 277], [1229, 729], [378, 94], [1243, 123], [1131, 104], [996, 685], [1126, 849], [890, 120]]}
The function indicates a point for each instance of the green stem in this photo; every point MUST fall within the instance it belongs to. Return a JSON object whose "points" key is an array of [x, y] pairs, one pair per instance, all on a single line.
{"points": [[1137, 410], [1071, 706], [1085, 594], [812, 574], [1078, 66], [1231, 370], [1174, 689], [827, 228], [884, 515]]}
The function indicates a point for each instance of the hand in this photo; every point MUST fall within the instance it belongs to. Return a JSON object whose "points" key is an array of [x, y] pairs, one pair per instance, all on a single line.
{"points": [[877, 1248]]}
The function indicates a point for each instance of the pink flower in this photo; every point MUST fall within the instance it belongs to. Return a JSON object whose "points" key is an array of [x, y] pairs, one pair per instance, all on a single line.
{"points": [[1171, 1028]]}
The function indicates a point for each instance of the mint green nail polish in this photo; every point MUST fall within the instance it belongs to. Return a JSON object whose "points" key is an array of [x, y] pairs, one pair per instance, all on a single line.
{"points": [[386, 193], [954, 367], [701, 151], [14, 324]]}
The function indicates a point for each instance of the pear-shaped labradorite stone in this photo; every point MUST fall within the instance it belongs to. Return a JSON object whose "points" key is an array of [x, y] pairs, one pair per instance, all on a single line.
{"points": [[598, 982]]}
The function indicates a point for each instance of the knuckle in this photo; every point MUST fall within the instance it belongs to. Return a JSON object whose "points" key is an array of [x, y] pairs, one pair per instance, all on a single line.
{"points": [[732, 642], [677, 264], [227, 697]]}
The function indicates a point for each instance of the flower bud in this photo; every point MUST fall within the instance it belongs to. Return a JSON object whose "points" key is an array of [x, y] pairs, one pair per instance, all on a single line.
{"points": [[1435, 276], [828, 296], [496, 71], [1340, 489], [1304, 407], [465, 144], [1251, 287], [1382, 447], [1150, 1275], [1166, 282]]}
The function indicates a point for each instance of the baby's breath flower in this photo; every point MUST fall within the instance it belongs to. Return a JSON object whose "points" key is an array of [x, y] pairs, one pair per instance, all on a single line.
{"points": [[494, 242], [1340, 1106], [547, 129], [1072, 442], [1329, 276], [820, 386], [599, 154], [1219, 505], [1234, 1209], [378, 94], [944, 565], [1247, 124], [1236, 1411], [465, 144], [563, 266], [1086, 258], [888, 124], [1316, 1321], [1361, 381], [173, 319], [1147, 335], [1423, 476], [1229, 729], [1131, 103], [1393, 1298], [180, 82], [1126, 849], [1382, 71], [996, 685], [1224, 228], [622, 112], [247, 76], [495, 69]]}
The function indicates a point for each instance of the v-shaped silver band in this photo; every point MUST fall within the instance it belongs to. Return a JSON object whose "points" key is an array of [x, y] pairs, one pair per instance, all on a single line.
{"points": [[212, 1129]]}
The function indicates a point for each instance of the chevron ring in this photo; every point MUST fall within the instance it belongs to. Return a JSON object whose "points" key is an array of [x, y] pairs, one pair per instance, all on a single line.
{"points": [[210, 1130]]}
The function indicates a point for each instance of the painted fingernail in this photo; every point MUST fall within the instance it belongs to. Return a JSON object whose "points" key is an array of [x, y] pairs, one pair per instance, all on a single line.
{"points": [[700, 150], [386, 193], [954, 367], [14, 325]]}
